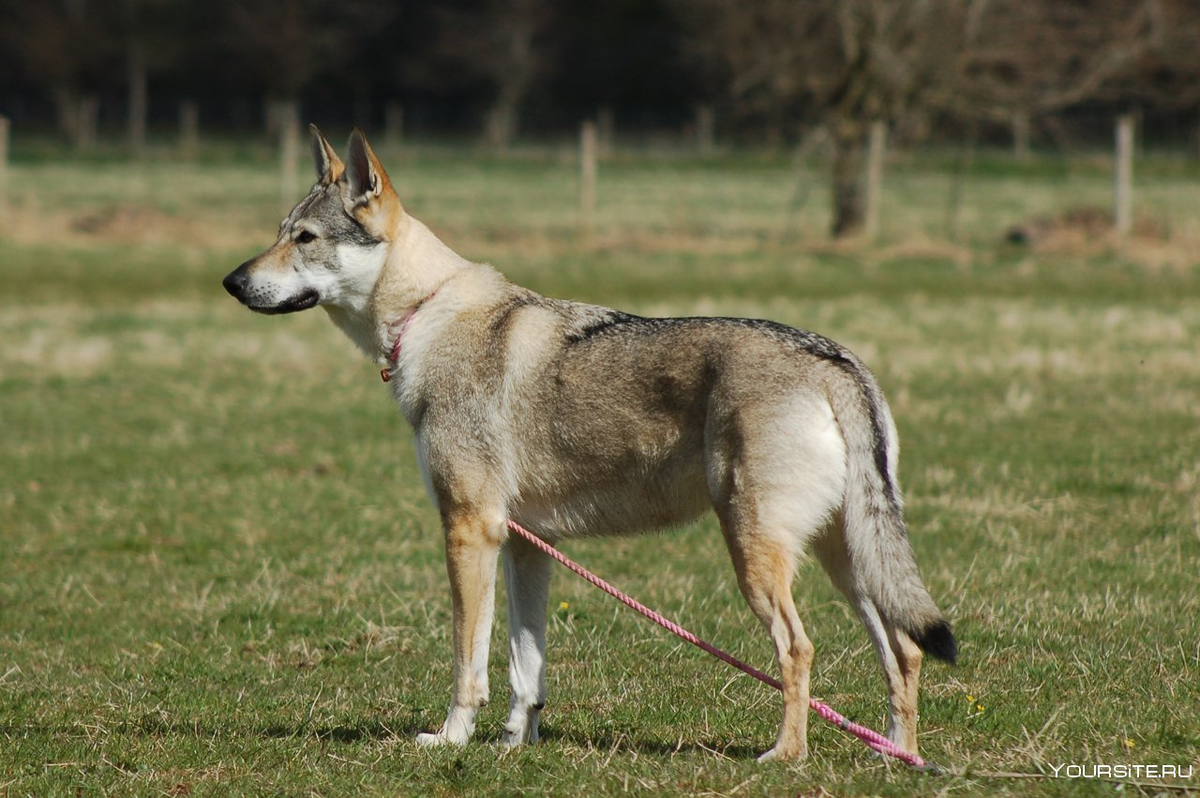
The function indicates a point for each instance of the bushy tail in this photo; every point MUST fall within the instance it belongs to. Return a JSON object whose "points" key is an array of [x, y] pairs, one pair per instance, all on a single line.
{"points": [[883, 567]]}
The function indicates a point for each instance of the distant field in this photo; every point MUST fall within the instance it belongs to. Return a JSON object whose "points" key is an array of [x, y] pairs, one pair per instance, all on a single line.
{"points": [[221, 573]]}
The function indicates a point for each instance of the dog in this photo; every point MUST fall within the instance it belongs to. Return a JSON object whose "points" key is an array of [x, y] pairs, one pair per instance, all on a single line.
{"points": [[576, 420]]}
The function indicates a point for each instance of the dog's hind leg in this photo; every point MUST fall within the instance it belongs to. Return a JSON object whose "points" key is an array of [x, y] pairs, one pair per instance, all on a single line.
{"points": [[527, 578], [764, 571], [775, 478], [472, 545], [899, 656]]}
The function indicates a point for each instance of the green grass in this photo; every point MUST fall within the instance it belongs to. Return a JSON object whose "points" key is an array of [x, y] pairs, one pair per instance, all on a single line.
{"points": [[221, 573]]}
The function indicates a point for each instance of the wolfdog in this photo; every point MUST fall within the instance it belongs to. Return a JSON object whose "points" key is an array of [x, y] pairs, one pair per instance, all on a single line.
{"points": [[576, 420]]}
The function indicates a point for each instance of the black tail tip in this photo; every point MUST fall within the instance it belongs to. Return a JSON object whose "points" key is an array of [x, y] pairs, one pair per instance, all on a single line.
{"points": [[937, 640]]}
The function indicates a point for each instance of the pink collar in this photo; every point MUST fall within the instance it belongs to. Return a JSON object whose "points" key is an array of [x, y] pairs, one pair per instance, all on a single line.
{"points": [[388, 372]]}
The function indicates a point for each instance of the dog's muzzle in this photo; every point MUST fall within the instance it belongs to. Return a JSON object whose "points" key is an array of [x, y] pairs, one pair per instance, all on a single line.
{"points": [[238, 281]]}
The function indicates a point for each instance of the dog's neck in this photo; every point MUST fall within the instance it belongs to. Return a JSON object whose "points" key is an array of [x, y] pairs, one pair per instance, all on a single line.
{"points": [[411, 268]]}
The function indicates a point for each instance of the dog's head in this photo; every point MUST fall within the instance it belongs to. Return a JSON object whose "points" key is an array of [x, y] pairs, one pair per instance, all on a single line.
{"points": [[333, 244]]}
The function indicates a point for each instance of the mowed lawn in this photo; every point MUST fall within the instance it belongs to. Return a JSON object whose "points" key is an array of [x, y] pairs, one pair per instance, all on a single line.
{"points": [[220, 572]]}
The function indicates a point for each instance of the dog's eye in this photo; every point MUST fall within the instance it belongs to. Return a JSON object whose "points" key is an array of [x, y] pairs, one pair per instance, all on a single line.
{"points": [[305, 236]]}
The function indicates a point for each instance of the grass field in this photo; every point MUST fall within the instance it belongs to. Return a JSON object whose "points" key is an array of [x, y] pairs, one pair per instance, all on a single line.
{"points": [[221, 574]]}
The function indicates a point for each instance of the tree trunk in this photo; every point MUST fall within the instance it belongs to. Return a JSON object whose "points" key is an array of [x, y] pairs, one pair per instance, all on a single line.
{"points": [[849, 139]]}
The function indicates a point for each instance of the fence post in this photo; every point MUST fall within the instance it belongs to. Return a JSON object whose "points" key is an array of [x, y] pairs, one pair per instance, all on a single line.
{"points": [[289, 151], [1123, 184], [876, 147], [85, 124], [1021, 132], [189, 129], [587, 177], [5, 129], [137, 100]]}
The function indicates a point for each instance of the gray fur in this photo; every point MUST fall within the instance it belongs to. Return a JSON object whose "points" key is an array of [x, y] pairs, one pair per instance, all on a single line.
{"points": [[577, 420]]}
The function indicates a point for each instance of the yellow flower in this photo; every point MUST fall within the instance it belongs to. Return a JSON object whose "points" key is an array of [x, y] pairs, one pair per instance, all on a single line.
{"points": [[563, 606], [1128, 744]]}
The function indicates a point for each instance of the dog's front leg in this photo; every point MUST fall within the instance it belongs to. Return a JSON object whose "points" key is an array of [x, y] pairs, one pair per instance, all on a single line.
{"points": [[527, 577], [472, 546]]}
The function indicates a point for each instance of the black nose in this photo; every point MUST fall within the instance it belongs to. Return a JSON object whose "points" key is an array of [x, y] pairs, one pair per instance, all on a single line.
{"points": [[235, 281]]}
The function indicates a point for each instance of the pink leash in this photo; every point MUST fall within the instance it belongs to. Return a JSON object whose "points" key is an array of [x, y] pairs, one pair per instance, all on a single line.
{"points": [[873, 739]]}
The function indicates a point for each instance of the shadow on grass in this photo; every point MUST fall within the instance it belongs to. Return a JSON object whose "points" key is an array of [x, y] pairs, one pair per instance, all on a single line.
{"points": [[621, 742], [375, 731], [344, 733]]}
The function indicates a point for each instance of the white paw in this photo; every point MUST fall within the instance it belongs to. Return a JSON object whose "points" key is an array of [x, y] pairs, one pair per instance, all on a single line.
{"points": [[428, 740], [513, 737], [522, 728], [777, 753]]}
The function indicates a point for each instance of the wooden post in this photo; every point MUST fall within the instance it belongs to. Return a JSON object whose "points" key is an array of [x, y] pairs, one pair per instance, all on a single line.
{"points": [[289, 151], [587, 177], [1123, 184], [5, 130], [85, 122], [957, 183], [393, 124], [189, 129], [705, 129], [137, 100], [1021, 134], [876, 147]]}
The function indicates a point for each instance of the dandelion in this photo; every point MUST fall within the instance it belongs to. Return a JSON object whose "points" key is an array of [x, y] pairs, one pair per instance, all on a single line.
{"points": [[1128, 744], [563, 606]]}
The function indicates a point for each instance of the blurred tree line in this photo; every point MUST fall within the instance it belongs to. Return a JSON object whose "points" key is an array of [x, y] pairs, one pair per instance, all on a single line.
{"points": [[774, 71]]}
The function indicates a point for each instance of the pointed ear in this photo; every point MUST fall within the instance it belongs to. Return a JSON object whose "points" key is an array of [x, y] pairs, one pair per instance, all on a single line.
{"points": [[329, 165], [366, 179], [369, 196]]}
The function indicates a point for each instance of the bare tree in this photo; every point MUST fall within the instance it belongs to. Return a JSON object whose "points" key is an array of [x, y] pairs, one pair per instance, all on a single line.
{"points": [[1021, 59], [1167, 75], [501, 43], [847, 63], [844, 62]]}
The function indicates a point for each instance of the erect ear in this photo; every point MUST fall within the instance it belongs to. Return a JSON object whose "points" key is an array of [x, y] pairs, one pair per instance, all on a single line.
{"points": [[369, 195], [329, 165], [365, 177]]}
